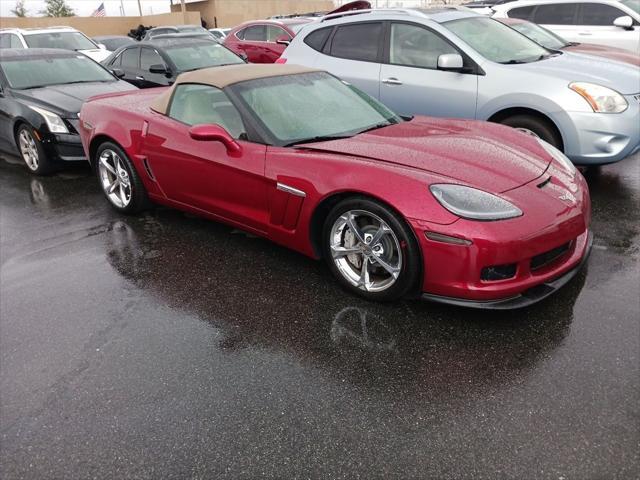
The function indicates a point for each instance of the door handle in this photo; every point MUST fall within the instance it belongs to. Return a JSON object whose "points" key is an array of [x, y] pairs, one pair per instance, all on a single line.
{"points": [[139, 78], [392, 81], [585, 33]]}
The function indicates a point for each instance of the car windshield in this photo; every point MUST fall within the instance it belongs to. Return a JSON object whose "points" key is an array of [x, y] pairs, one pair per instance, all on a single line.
{"points": [[540, 35], [495, 41], [63, 40], [632, 4], [194, 57], [24, 73], [311, 106]]}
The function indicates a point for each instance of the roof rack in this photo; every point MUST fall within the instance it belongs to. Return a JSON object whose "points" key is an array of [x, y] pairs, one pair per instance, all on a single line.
{"points": [[332, 16]]}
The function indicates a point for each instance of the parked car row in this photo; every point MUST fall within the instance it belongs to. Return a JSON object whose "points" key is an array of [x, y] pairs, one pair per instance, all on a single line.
{"points": [[326, 152]]}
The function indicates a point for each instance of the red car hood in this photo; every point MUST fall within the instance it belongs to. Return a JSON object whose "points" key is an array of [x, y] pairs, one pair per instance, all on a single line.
{"points": [[488, 156], [608, 52]]}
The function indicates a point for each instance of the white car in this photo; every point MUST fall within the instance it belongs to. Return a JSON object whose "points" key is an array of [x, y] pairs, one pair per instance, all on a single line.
{"points": [[220, 33], [615, 23], [66, 38]]}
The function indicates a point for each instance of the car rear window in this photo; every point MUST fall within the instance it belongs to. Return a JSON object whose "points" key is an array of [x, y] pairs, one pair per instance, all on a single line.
{"points": [[523, 13], [318, 38], [360, 41]]}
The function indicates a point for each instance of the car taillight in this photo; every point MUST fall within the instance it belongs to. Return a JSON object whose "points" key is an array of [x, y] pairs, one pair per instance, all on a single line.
{"points": [[281, 60]]}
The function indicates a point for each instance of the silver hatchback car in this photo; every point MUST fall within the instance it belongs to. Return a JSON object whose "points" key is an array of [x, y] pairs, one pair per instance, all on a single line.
{"points": [[455, 63]]}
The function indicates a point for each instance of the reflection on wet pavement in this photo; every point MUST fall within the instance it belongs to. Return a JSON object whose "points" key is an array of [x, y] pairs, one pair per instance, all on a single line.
{"points": [[166, 346]]}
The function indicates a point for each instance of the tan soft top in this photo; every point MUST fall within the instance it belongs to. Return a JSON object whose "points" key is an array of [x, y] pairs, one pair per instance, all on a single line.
{"points": [[221, 77]]}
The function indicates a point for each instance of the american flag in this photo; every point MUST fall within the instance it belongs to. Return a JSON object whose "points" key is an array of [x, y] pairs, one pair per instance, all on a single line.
{"points": [[99, 12]]}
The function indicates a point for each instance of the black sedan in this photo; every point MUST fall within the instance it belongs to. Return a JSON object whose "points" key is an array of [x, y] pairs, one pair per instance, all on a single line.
{"points": [[41, 92], [157, 63]]}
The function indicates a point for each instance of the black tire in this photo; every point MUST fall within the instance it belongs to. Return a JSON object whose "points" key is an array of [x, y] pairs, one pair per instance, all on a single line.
{"points": [[410, 270], [540, 127], [138, 198], [40, 165]]}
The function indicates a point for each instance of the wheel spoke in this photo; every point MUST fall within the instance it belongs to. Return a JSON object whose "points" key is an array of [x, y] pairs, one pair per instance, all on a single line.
{"points": [[105, 164], [351, 222], [339, 252], [123, 195], [114, 185], [394, 271], [364, 280]]}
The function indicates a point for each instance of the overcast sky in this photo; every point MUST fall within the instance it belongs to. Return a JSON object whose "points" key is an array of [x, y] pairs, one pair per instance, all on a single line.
{"points": [[86, 7]]}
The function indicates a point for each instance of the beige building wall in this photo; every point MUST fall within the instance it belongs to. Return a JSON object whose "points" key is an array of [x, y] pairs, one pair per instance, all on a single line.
{"points": [[229, 13], [93, 26]]}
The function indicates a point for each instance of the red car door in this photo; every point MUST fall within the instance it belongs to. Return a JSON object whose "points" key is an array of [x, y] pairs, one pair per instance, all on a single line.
{"points": [[203, 174]]}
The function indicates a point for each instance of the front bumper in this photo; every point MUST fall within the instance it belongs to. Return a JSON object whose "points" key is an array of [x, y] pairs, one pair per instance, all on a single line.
{"points": [[601, 138], [63, 147], [521, 300], [534, 254]]}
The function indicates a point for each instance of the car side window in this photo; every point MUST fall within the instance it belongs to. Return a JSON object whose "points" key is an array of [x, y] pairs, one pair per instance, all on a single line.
{"points": [[15, 41], [523, 13], [273, 32], [556, 14], [130, 58], [196, 104], [599, 14], [415, 46], [148, 57], [255, 33], [318, 38], [10, 40], [359, 41]]}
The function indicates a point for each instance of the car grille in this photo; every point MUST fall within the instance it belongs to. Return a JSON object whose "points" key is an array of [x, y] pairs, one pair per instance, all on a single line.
{"points": [[546, 258]]}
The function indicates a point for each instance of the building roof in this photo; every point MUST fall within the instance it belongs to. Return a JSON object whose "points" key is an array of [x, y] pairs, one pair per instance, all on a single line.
{"points": [[221, 77]]}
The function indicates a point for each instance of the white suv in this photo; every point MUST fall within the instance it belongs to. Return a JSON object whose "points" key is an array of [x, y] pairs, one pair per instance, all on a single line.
{"points": [[66, 38], [606, 22]]}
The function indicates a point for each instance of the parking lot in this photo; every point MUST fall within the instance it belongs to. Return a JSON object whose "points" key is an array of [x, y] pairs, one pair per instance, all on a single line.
{"points": [[166, 346]]}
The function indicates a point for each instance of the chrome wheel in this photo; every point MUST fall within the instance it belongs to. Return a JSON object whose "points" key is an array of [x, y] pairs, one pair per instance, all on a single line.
{"points": [[365, 250], [115, 178], [29, 149]]}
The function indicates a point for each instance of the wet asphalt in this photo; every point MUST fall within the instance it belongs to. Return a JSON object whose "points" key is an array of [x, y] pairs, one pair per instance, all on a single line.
{"points": [[167, 346]]}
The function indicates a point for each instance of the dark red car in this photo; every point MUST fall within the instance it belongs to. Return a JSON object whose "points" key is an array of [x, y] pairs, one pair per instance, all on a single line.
{"points": [[263, 41], [550, 40], [458, 211]]}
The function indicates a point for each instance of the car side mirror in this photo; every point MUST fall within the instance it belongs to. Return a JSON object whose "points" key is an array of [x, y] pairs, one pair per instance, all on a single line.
{"points": [[216, 133], [118, 72], [158, 68], [283, 40], [451, 62], [102, 46], [625, 22]]}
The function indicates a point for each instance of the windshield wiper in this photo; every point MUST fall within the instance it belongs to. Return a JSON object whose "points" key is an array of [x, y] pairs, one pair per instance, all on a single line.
{"points": [[513, 62], [320, 138], [376, 127]]}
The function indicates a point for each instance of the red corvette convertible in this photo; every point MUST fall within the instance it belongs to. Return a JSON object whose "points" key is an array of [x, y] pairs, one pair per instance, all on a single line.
{"points": [[458, 211]]}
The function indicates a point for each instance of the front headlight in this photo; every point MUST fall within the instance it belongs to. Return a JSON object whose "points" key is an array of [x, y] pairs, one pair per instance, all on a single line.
{"points": [[601, 99], [474, 204], [558, 156], [54, 122]]}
